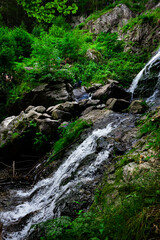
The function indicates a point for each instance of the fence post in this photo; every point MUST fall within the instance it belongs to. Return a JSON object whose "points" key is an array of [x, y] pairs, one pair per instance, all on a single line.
{"points": [[13, 169]]}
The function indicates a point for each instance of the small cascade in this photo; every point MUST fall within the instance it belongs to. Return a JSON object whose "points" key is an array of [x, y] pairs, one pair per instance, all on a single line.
{"points": [[151, 83], [37, 204], [45, 200]]}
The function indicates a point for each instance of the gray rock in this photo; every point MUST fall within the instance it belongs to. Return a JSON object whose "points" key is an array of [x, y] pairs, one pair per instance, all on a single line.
{"points": [[133, 168], [48, 126], [46, 95], [94, 55], [137, 106], [101, 92], [29, 108], [63, 116], [39, 109], [71, 108], [87, 110], [96, 115], [111, 90], [32, 115]]}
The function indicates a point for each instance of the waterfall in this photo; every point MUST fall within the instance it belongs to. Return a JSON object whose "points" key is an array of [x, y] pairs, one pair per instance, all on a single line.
{"points": [[144, 71], [39, 202]]}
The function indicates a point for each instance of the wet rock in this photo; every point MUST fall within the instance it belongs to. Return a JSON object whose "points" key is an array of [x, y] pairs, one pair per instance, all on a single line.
{"points": [[150, 81], [117, 105], [137, 106], [32, 115], [80, 94]]}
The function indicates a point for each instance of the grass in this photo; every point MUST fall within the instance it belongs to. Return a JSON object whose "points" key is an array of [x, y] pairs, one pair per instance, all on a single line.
{"points": [[68, 135]]}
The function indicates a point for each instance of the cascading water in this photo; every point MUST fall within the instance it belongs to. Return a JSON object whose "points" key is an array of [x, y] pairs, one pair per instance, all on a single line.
{"points": [[39, 202], [146, 72]]}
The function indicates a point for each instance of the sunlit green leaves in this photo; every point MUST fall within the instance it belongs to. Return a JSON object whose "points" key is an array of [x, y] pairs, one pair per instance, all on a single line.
{"points": [[46, 11]]}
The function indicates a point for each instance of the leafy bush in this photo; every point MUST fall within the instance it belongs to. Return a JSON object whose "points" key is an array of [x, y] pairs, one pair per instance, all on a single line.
{"points": [[23, 43], [44, 55], [70, 45], [7, 50], [109, 44]]}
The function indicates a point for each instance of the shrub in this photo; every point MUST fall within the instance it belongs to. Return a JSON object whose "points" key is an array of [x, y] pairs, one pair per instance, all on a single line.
{"points": [[23, 43], [7, 50], [45, 56]]}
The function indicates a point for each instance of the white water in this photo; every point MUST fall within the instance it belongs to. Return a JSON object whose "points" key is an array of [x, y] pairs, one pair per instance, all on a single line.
{"points": [[44, 195], [145, 70]]}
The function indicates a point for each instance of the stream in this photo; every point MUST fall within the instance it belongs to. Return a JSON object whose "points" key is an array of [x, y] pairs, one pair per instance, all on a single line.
{"points": [[44, 200]]}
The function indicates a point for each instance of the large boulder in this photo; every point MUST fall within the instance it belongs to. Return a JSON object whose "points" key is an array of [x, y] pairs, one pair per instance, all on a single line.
{"points": [[111, 90], [117, 105], [110, 21], [96, 115], [64, 111], [45, 94]]}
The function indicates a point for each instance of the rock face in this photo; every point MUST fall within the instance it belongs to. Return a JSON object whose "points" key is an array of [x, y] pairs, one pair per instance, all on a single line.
{"points": [[144, 33], [46, 95], [110, 21], [150, 80]]}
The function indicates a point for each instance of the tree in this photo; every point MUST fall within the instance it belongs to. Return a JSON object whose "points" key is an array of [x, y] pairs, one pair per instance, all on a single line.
{"points": [[45, 10]]}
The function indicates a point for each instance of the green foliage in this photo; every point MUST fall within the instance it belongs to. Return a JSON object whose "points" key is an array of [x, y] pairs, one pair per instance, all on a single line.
{"points": [[7, 50], [68, 134], [46, 11], [23, 43], [39, 141], [108, 44], [150, 17], [44, 55], [70, 46]]}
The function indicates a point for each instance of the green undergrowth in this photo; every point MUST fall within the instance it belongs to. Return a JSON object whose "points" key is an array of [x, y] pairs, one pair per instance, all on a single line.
{"points": [[150, 17], [68, 134], [135, 6], [125, 206]]}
